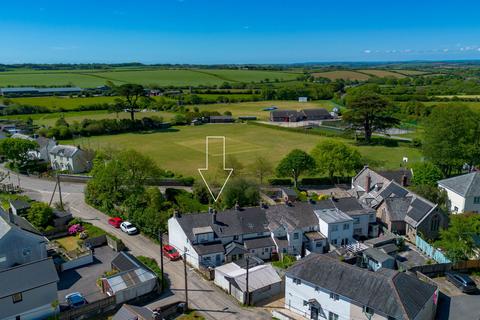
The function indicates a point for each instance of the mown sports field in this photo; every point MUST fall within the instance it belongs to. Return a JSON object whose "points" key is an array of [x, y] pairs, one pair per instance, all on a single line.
{"points": [[182, 149]]}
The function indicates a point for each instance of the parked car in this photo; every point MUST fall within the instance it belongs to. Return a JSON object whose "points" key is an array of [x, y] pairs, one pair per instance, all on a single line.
{"points": [[75, 300], [115, 222], [462, 281], [171, 253], [128, 227]]}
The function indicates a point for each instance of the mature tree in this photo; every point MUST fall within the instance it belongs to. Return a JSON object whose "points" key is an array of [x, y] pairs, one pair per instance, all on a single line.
{"points": [[426, 173], [233, 162], [262, 168], [117, 106], [241, 191], [295, 164], [16, 150], [452, 138], [458, 240], [131, 93], [40, 215], [336, 158], [370, 112]]}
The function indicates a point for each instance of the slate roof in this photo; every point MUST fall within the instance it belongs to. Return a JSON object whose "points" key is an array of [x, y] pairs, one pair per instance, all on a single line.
{"points": [[64, 150], [397, 207], [348, 205], [234, 248], [259, 243], [377, 255], [252, 262], [125, 261], [296, 216], [18, 222], [19, 204], [129, 312], [43, 142], [318, 112], [258, 277], [397, 175], [466, 185], [284, 113], [27, 276], [392, 293], [208, 248], [228, 223]]}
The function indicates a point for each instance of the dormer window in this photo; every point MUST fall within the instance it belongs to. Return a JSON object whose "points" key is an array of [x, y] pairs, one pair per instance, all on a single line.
{"points": [[476, 200]]}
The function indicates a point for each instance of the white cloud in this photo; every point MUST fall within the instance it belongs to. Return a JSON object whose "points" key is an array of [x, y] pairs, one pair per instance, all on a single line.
{"points": [[367, 51]]}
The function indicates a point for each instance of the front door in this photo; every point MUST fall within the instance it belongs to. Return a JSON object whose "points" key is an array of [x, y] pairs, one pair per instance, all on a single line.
{"points": [[313, 313]]}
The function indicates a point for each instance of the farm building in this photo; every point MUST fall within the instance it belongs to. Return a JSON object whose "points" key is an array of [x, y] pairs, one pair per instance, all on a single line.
{"points": [[221, 119], [302, 115], [133, 279], [263, 282], [33, 92]]}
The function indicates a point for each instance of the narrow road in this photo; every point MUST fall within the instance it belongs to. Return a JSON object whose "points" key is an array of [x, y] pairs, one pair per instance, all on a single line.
{"points": [[203, 295]]}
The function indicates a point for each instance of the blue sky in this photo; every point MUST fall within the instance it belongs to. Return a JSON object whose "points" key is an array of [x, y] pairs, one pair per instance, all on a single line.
{"points": [[243, 31]]}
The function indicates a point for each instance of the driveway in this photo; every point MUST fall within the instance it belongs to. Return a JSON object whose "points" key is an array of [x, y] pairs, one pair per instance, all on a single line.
{"points": [[203, 295], [84, 279], [454, 304]]}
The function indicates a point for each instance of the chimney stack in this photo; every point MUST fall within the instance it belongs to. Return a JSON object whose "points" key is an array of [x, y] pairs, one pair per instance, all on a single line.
{"points": [[368, 181], [404, 180], [214, 216], [11, 217]]}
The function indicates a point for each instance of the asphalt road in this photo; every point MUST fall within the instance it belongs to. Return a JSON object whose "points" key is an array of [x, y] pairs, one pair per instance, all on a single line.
{"points": [[203, 295]]}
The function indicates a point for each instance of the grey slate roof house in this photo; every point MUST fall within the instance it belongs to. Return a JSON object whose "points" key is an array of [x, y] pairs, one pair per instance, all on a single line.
{"points": [[302, 115], [70, 158], [463, 192], [130, 312], [319, 286], [398, 209], [27, 291], [29, 246]]}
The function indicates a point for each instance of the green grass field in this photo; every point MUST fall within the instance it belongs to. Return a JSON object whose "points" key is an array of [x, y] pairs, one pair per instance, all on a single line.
{"points": [[256, 108], [146, 76], [61, 102], [183, 151]]}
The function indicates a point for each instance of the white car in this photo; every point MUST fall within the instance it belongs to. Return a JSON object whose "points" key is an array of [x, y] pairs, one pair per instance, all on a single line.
{"points": [[128, 227]]}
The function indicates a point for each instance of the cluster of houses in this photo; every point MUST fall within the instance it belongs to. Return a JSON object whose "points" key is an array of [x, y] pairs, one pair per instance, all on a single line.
{"points": [[67, 158], [369, 223]]}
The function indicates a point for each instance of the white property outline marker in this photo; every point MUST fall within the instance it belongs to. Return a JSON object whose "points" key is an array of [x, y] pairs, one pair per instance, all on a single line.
{"points": [[200, 170]]}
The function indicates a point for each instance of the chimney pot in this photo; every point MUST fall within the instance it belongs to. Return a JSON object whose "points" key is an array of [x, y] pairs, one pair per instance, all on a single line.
{"points": [[404, 180], [368, 181]]}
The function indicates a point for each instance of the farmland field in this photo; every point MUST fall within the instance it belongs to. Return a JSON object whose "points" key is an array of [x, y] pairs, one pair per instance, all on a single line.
{"points": [[256, 108], [61, 102], [186, 147], [382, 73], [410, 72], [161, 77], [342, 74]]}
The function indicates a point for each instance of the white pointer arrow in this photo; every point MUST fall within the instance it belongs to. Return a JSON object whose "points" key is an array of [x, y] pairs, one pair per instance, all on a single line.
{"points": [[229, 170]]}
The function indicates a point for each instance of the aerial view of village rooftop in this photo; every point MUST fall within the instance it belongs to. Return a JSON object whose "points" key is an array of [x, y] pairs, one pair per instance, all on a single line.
{"points": [[194, 159]]}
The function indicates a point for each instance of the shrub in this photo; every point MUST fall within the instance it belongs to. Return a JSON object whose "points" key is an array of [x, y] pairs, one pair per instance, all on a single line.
{"points": [[280, 182]]}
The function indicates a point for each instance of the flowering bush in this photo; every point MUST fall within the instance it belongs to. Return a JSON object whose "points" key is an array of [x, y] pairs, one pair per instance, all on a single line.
{"points": [[74, 229]]}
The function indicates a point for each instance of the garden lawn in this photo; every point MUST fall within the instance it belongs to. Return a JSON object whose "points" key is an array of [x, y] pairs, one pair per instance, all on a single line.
{"points": [[70, 243], [183, 151]]}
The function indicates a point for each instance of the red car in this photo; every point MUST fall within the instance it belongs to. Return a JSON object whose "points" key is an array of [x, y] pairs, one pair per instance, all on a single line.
{"points": [[115, 222], [170, 252]]}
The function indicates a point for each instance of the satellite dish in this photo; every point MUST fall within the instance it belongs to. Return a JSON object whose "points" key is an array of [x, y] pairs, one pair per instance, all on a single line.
{"points": [[405, 159]]}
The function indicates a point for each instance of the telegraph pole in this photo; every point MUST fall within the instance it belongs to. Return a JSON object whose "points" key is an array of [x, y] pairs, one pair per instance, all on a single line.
{"points": [[59, 191], [185, 275], [247, 300], [160, 238]]}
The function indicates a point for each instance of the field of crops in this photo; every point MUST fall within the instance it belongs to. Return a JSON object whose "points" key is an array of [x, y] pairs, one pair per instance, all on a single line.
{"points": [[186, 147], [161, 77], [382, 73], [342, 74]]}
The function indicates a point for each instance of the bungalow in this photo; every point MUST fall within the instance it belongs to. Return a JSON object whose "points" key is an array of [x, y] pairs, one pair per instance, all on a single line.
{"points": [[263, 282], [375, 259], [131, 312], [316, 114], [463, 192], [221, 119], [285, 116], [70, 158], [321, 287], [28, 291]]}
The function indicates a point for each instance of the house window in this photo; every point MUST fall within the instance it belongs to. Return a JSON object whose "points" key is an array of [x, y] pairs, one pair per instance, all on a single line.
{"points": [[346, 226], [318, 244], [356, 220], [17, 297], [332, 316], [305, 303], [235, 237], [334, 241], [267, 249], [334, 296], [476, 200], [297, 281], [455, 209], [335, 228], [295, 236], [368, 310]]}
